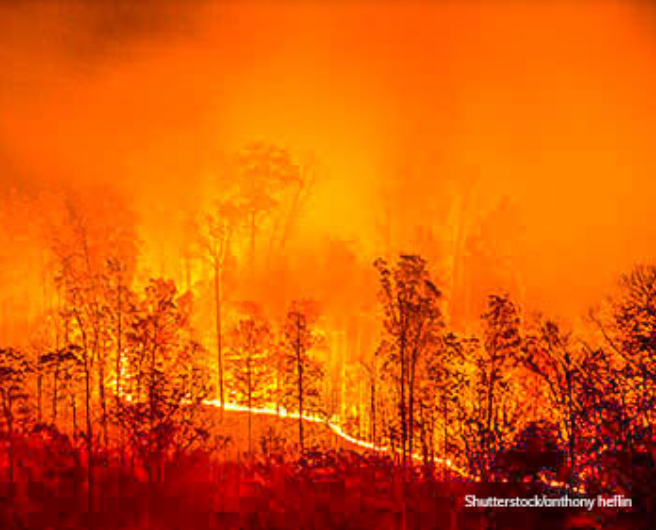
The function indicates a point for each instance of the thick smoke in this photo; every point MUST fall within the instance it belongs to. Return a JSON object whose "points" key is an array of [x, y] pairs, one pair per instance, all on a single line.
{"points": [[548, 106]]}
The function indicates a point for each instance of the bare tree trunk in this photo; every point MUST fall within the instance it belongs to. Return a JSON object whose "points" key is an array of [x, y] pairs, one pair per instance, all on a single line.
{"points": [[87, 397], [218, 325], [119, 362], [250, 406], [445, 411], [411, 407], [74, 410], [55, 380], [489, 419], [119, 343], [423, 432], [572, 421], [103, 401], [404, 425], [278, 382], [299, 362], [373, 410], [39, 390]]}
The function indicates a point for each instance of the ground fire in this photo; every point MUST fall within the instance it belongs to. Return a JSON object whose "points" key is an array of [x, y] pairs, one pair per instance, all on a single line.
{"points": [[323, 264]]}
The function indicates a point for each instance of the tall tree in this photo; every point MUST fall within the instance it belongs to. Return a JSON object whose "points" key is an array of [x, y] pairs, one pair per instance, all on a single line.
{"points": [[632, 334], [63, 365], [371, 371], [442, 391], [263, 173], [250, 359], [625, 397], [14, 370], [501, 343], [303, 374], [412, 324], [85, 232], [165, 382], [215, 239], [550, 355]]}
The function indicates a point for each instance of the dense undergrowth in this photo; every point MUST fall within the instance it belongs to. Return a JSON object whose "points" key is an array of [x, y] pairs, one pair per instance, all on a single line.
{"points": [[332, 489]]}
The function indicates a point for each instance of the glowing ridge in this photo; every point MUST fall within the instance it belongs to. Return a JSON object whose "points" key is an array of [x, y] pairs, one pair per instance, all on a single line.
{"points": [[334, 427], [283, 413]]}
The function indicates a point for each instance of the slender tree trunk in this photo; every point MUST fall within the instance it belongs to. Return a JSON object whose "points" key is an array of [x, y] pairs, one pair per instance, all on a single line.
{"points": [[489, 420], [423, 432], [404, 425], [74, 410], [411, 407], [278, 382], [119, 368], [299, 362], [87, 398], [250, 425], [39, 389], [119, 344], [373, 410], [218, 325], [572, 420], [55, 380], [300, 405], [445, 412], [250, 406], [103, 401]]}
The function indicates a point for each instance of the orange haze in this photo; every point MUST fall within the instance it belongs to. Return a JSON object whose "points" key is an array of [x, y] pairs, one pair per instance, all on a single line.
{"points": [[547, 108]]}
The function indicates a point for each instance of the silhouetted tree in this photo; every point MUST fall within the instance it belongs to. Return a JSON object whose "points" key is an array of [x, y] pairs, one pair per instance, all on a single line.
{"points": [[250, 359], [215, 236], [371, 369], [551, 356], [302, 373], [441, 393], [165, 383], [263, 171], [14, 370], [493, 412], [412, 323], [90, 229], [64, 365], [632, 334]]}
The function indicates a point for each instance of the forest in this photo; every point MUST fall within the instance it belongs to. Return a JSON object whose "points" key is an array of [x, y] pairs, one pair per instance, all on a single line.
{"points": [[258, 270], [113, 377]]}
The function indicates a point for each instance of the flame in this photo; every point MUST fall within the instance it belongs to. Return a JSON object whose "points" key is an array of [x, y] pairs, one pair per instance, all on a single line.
{"points": [[334, 427], [339, 431]]}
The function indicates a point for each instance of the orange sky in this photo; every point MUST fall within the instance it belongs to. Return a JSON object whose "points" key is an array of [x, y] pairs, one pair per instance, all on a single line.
{"points": [[548, 103]]}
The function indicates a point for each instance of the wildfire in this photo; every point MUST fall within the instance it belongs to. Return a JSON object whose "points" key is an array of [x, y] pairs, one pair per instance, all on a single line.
{"points": [[339, 431], [335, 428]]}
